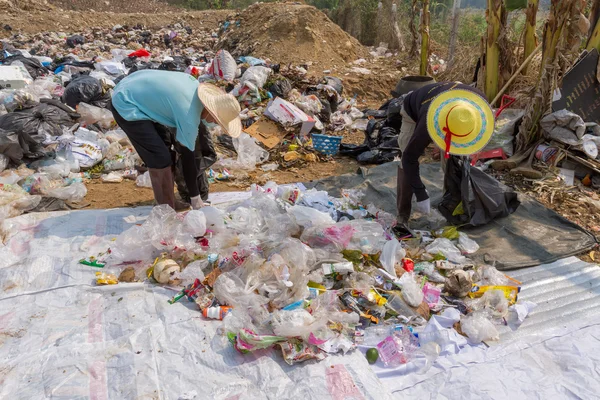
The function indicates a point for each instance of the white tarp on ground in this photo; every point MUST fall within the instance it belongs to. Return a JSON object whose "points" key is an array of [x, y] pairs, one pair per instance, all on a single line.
{"points": [[63, 337], [552, 355]]}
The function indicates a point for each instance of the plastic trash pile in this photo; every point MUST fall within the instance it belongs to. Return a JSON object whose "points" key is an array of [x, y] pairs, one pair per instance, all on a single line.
{"points": [[56, 130], [311, 275]]}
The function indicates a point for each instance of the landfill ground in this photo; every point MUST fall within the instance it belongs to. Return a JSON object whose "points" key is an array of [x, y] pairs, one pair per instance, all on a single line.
{"points": [[274, 290]]}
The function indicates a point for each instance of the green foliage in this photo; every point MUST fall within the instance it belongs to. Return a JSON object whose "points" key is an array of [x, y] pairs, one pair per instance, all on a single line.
{"points": [[470, 30]]}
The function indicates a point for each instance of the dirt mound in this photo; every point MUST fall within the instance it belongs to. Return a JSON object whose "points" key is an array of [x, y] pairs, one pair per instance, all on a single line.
{"points": [[290, 33], [24, 5]]}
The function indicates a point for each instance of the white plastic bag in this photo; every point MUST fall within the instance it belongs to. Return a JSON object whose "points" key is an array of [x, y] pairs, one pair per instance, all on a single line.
{"points": [[448, 249], [308, 217], [223, 66], [256, 76], [392, 253], [112, 177], [144, 180], [92, 114], [73, 193], [466, 244], [195, 223], [86, 153], [411, 291], [249, 153], [478, 328]]}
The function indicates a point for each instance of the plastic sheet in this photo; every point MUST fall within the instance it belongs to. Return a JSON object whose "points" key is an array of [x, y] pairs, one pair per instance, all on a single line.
{"points": [[91, 115], [144, 180], [73, 193]]}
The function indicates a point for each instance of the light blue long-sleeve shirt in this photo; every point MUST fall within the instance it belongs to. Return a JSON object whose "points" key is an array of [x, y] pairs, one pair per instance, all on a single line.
{"points": [[166, 97]]}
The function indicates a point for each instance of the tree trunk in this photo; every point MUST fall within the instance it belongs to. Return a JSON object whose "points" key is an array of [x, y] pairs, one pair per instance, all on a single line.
{"points": [[530, 36], [396, 28], [414, 44], [453, 32], [494, 14], [554, 42], [594, 36], [425, 17]]}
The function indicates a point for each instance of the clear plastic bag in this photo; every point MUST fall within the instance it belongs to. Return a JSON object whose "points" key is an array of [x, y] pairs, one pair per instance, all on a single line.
{"points": [[132, 245], [478, 328], [3, 162], [112, 177], [309, 104], [144, 180], [391, 253], [448, 249], [249, 153], [92, 114], [73, 193], [195, 223], [308, 217], [335, 237], [411, 291], [466, 244]]}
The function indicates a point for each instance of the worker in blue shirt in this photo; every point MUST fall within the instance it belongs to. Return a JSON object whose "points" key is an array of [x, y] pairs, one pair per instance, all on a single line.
{"points": [[146, 101]]}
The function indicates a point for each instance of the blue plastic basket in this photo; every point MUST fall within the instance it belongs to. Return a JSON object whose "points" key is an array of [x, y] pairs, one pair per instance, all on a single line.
{"points": [[329, 145]]}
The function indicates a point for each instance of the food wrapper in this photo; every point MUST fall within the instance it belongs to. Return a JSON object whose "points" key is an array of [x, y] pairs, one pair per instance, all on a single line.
{"points": [[510, 292], [295, 351], [103, 278], [247, 340]]}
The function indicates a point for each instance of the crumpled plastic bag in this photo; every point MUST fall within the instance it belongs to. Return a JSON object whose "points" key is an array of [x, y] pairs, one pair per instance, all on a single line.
{"points": [[308, 217], [223, 66], [391, 254], [73, 193], [249, 154], [411, 291], [478, 328], [448, 249], [92, 114], [144, 180], [195, 223], [466, 244]]}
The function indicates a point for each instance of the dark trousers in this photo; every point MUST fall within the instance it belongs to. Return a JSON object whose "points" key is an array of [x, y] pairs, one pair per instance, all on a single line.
{"points": [[155, 145], [204, 157], [409, 177]]}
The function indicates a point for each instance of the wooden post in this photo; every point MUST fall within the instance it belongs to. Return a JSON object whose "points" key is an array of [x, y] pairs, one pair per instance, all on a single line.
{"points": [[396, 28], [453, 32]]}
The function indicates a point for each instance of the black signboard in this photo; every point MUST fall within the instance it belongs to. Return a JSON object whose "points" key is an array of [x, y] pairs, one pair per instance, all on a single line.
{"points": [[580, 91]]}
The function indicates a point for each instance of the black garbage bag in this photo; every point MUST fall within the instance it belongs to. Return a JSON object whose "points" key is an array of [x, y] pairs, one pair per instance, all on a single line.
{"points": [[44, 118], [394, 119], [179, 63], [280, 87], [376, 156], [16, 146], [335, 83], [86, 89], [473, 198], [32, 65], [75, 40], [352, 150]]}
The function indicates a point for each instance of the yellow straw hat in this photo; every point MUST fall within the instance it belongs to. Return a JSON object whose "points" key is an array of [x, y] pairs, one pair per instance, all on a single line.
{"points": [[223, 107], [460, 122]]}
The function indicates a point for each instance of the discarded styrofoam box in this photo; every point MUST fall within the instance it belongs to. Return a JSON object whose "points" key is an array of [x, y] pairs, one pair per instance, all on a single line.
{"points": [[12, 77]]}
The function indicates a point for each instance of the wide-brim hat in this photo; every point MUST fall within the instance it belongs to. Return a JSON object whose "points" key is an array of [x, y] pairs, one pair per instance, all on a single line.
{"points": [[223, 107], [460, 122]]}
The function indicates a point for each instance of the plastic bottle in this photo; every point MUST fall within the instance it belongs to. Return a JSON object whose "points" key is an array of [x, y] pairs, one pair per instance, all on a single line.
{"points": [[216, 312]]}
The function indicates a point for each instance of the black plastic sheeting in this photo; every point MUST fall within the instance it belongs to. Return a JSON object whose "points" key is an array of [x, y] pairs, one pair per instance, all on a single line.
{"points": [[533, 235]]}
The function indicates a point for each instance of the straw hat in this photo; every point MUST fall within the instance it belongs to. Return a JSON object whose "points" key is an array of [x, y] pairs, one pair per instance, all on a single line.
{"points": [[223, 107], [460, 122]]}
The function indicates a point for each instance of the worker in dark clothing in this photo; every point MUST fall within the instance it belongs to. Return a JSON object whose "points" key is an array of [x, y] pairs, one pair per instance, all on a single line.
{"points": [[456, 117]]}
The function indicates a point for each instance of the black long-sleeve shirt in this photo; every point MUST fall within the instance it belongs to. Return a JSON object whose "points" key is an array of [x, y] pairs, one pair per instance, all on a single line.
{"points": [[416, 105]]}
